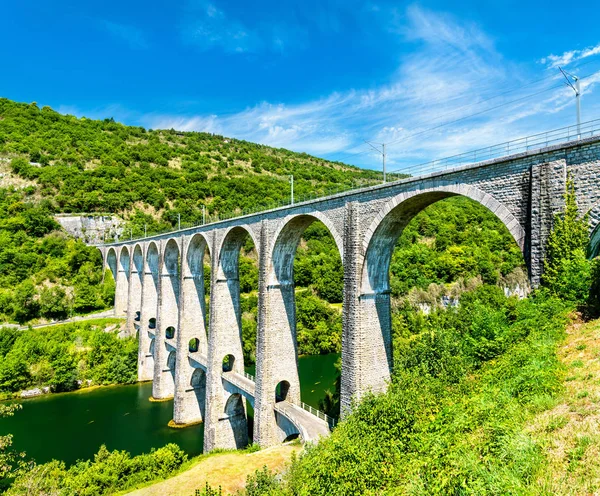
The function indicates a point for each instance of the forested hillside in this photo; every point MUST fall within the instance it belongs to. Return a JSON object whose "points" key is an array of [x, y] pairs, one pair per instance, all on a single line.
{"points": [[86, 165]]}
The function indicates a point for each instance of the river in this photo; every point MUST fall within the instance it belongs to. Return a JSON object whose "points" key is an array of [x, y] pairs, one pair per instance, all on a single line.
{"points": [[72, 426]]}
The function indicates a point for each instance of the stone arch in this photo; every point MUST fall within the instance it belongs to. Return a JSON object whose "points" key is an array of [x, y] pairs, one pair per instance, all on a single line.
{"points": [[122, 282], [138, 258], [134, 306], [149, 309], [191, 336], [286, 240], [193, 345], [170, 266], [168, 320], [236, 416], [381, 236], [171, 362], [197, 247], [373, 303], [124, 261], [228, 363], [316, 216], [281, 302], [193, 317], [152, 258], [225, 296], [281, 391], [198, 378], [229, 251], [111, 261]]}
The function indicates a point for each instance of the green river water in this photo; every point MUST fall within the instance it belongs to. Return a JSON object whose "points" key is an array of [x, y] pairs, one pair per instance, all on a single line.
{"points": [[72, 426]]}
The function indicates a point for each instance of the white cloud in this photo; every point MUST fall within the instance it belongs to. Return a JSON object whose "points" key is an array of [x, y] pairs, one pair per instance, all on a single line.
{"points": [[209, 27], [554, 61], [451, 72], [132, 35]]}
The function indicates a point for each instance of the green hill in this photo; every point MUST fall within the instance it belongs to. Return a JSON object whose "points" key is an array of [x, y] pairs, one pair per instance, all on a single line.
{"points": [[86, 165]]}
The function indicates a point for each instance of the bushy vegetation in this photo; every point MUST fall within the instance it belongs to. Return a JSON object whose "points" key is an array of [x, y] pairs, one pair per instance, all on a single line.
{"points": [[43, 272], [109, 472], [66, 356], [11, 462], [567, 270], [451, 422]]}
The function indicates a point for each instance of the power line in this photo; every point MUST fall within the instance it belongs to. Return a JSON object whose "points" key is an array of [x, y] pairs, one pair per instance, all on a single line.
{"points": [[404, 138], [551, 76], [482, 112]]}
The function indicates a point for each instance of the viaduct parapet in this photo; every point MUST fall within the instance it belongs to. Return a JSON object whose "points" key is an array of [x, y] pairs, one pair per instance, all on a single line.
{"points": [[198, 360]]}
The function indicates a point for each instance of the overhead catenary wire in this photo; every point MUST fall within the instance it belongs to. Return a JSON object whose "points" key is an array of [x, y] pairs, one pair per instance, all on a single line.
{"points": [[404, 138]]}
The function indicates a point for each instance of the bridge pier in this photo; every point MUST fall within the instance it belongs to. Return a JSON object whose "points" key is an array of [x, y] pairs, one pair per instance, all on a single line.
{"points": [[167, 323], [223, 414], [190, 377], [276, 351], [366, 338], [149, 313], [134, 300], [122, 283], [548, 184]]}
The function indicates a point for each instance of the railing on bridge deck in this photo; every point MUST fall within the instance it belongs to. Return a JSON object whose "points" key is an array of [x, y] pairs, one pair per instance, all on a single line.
{"points": [[585, 130], [521, 145], [287, 408], [317, 413]]}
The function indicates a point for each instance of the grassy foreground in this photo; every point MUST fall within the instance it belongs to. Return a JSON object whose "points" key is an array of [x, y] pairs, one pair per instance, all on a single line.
{"points": [[228, 470], [569, 433]]}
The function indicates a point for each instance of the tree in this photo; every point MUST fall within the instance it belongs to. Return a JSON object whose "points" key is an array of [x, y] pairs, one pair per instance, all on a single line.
{"points": [[566, 268], [11, 461], [54, 303], [25, 304], [65, 372]]}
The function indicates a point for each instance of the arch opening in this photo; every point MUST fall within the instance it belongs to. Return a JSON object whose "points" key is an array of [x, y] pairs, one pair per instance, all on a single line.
{"points": [[236, 293], [281, 391], [193, 345], [427, 251], [305, 283], [196, 291], [111, 261], [228, 363], [171, 361], [170, 332], [152, 323], [124, 261], [236, 416], [137, 274], [198, 379]]}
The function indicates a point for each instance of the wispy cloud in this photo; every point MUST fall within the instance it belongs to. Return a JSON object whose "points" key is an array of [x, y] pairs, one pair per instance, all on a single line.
{"points": [[131, 35], [453, 73], [569, 57], [209, 27]]}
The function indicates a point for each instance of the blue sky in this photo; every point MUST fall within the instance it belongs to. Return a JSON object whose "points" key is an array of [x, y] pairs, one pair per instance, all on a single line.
{"points": [[314, 76]]}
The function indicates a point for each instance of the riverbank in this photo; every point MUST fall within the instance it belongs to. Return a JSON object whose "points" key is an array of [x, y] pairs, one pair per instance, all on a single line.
{"points": [[228, 470], [65, 357]]}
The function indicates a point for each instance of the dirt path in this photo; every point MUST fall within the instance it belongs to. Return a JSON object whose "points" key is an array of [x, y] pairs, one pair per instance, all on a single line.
{"points": [[229, 470]]}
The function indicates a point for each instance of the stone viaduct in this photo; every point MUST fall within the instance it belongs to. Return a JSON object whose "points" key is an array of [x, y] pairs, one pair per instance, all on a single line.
{"points": [[198, 360]]}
